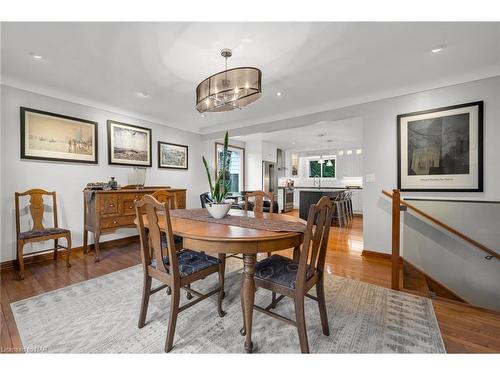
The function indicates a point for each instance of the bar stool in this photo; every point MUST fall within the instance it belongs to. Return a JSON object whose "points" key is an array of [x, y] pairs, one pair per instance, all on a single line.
{"points": [[348, 205], [339, 217]]}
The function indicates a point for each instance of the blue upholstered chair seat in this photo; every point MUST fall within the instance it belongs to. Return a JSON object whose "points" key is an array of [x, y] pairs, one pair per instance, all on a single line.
{"points": [[280, 270], [41, 232], [177, 240], [190, 261]]}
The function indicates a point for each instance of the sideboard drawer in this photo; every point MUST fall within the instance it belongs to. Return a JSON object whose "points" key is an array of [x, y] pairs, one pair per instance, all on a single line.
{"points": [[128, 207], [132, 196], [114, 222], [110, 205]]}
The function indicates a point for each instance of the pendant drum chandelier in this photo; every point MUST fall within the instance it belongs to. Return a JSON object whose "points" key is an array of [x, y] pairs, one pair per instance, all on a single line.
{"points": [[229, 89]]}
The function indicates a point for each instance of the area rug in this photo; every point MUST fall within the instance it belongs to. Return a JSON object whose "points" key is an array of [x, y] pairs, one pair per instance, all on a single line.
{"points": [[100, 316]]}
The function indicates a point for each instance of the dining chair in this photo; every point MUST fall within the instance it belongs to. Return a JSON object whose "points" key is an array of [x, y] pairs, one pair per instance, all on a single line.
{"points": [[259, 197], [165, 196], [38, 231], [204, 199], [294, 278], [174, 269], [258, 203]]}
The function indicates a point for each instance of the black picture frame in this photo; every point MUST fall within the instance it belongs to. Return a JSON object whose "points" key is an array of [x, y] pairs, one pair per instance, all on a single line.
{"points": [[110, 124], [480, 158], [160, 143], [23, 150]]}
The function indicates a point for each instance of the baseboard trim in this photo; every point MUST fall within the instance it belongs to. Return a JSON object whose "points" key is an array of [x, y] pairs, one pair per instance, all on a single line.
{"points": [[440, 285], [46, 255], [375, 254]]}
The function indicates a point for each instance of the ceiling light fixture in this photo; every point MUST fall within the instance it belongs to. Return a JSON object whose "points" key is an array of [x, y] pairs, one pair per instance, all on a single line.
{"points": [[229, 89], [144, 94], [321, 160], [278, 93], [437, 49], [36, 56]]}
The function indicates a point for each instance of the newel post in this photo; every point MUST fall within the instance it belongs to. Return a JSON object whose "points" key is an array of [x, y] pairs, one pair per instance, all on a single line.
{"points": [[396, 202]]}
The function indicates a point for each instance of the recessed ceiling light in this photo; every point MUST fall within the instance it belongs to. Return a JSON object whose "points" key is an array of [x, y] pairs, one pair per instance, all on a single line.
{"points": [[144, 94], [203, 116], [278, 93], [36, 56], [437, 49]]}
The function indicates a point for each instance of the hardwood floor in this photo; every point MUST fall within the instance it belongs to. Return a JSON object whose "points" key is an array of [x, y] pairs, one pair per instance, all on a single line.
{"points": [[465, 329]]}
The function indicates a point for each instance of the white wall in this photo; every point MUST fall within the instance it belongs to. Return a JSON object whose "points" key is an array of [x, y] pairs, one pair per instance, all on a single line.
{"points": [[253, 156], [269, 152], [69, 179], [379, 145]]}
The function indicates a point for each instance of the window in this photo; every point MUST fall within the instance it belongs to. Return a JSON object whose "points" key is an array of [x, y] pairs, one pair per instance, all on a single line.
{"points": [[295, 164], [235, 171], [322, 170]]}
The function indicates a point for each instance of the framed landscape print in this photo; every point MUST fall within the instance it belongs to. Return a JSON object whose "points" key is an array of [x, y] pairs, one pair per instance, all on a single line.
{"points": [[128, 144], [441, 149], [50, 136], [171, 155]]}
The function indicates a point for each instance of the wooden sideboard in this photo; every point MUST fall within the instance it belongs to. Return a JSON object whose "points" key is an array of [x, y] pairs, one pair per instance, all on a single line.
{"points": [[105, 211]]}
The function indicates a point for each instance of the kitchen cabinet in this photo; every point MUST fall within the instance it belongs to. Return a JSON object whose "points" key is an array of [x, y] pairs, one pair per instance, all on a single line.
{"points": [[296, 199], [357, 201]]}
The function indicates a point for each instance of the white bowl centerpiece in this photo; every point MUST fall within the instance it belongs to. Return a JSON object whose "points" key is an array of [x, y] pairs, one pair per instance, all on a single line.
{"points": [[218, 208]]}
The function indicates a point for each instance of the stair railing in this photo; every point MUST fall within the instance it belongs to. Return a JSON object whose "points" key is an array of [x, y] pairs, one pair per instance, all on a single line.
{"points": [[399, 205]]}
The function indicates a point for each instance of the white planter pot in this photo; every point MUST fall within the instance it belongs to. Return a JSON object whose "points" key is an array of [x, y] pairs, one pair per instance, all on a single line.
{"points": [[218, 210]]}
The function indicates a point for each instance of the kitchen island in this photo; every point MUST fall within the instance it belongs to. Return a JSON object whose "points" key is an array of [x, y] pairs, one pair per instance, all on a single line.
{"points": [[310, 196]]}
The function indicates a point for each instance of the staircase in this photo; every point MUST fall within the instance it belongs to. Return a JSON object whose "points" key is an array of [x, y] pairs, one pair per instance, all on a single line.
{"points": [[417, 282], [436, 252]]}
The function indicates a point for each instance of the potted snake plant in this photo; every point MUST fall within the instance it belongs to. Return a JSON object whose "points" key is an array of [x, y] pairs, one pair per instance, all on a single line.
{"points": [[218, 208]]}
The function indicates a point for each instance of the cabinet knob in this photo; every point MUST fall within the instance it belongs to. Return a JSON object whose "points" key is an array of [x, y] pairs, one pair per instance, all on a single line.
{"points": [[115, 222], [130, 206], [136, 197], [111, 205]]}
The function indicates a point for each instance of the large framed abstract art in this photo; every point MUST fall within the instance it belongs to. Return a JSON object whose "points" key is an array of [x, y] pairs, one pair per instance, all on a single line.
{"points": [[441, 149], [54, 137], [129, 144]]}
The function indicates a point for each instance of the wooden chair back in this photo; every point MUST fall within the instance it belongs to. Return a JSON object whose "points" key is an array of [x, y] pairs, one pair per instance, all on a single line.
{"points": [[315, 239], [260, 196], [151, 247], [164, 196], [36, 208]]}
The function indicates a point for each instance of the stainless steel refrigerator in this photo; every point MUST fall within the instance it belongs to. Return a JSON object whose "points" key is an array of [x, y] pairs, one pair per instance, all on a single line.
{"points": [[269, 177]]}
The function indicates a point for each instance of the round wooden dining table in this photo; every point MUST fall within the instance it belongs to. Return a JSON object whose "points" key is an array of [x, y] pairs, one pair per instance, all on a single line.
{"points": [[230, 239]]}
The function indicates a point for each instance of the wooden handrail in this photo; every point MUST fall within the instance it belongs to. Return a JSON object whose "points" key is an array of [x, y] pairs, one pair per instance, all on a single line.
{"points": [[439, 223]]}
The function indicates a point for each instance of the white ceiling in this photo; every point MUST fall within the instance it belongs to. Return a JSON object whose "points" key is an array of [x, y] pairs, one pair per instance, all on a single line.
{"points": [[317, 66], [323, 135]]}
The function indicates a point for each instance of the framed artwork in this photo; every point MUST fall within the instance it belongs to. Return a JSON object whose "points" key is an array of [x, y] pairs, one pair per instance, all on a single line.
{"points": [[128, 144], [173, 156], [441, 149], [53, 137]]}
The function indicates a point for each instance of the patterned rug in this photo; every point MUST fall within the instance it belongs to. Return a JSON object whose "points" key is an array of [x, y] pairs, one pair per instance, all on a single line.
{"points": [[100, 316]]}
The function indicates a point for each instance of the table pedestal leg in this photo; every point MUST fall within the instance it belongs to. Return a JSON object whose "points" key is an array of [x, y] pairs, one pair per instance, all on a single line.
{"points": [[247, 297], [296, 253]]}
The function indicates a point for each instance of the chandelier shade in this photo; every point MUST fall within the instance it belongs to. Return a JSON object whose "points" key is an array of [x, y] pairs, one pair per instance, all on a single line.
{"points": [[229, 89]]}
